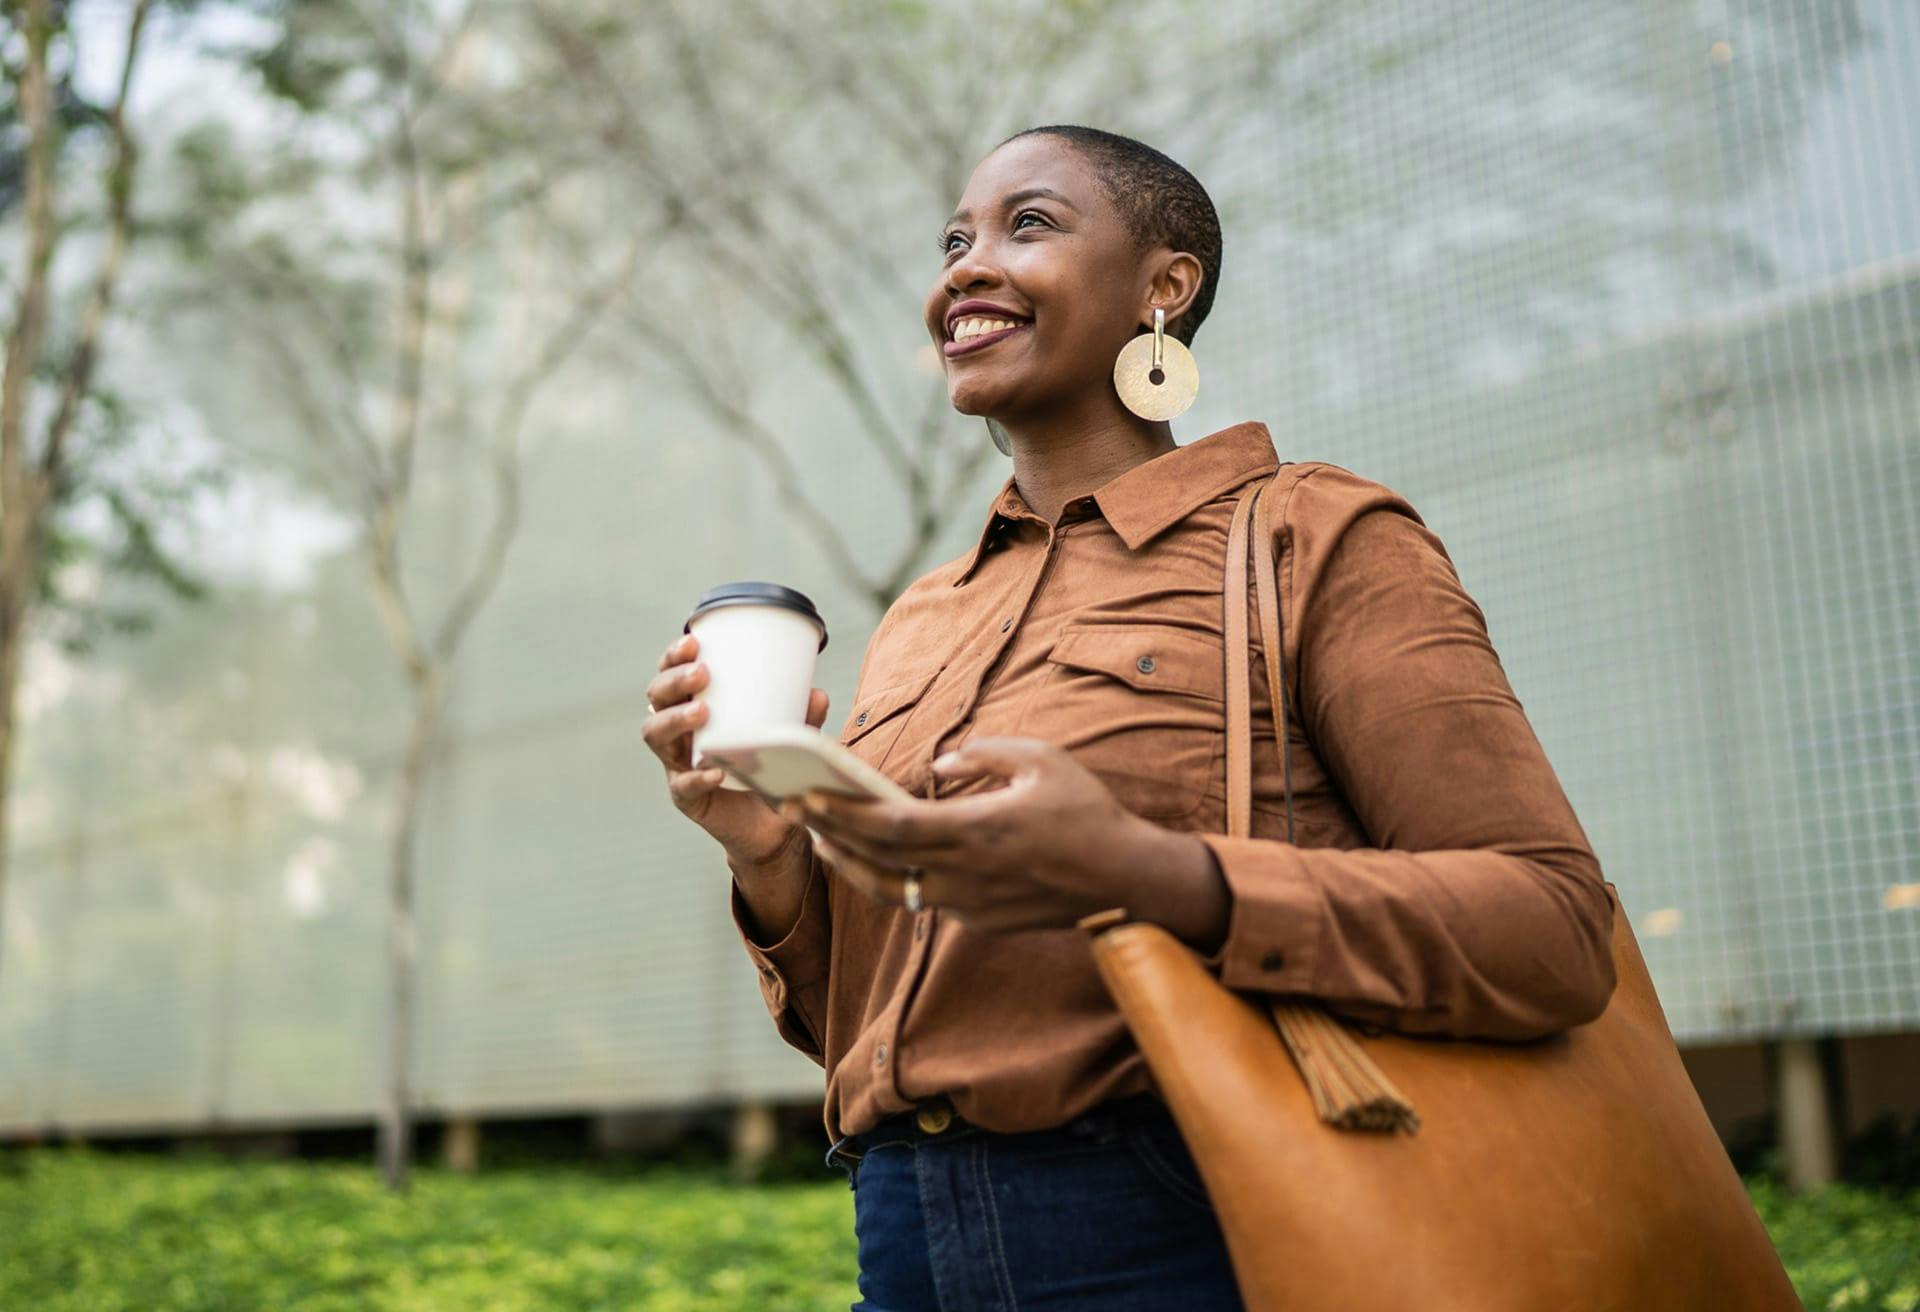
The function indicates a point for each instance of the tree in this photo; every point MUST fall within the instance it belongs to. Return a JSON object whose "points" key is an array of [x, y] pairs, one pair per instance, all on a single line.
{"points": [[63, 434], [756, 140], [409, 168]]}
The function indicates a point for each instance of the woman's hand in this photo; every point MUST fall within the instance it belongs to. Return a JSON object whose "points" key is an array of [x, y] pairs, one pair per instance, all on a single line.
{"points": [[1050, 847], [747, 827]]}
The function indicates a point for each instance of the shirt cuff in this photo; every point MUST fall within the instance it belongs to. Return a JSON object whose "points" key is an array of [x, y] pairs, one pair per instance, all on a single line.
{"points": [[798, 962], [1277, 919]]}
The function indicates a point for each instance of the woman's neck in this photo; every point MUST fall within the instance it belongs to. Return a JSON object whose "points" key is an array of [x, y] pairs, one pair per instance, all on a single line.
{"points": [[1059, 459]]}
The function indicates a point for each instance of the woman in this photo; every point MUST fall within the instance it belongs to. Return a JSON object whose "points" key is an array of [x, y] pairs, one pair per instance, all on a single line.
{"points": [[1053, 700]]}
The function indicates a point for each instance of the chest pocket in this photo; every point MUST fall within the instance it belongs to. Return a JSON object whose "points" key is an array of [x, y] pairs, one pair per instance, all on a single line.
{"points": [[873, 725], [1142, 706]]}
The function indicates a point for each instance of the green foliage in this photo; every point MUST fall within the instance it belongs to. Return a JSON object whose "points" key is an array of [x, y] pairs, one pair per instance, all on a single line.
{"points": [[109, 1233], [110, 510], [126, 1234], [1845, 1246]]}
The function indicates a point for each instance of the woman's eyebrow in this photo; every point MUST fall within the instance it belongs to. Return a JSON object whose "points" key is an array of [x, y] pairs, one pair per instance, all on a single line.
{"points": [[1015, 197]]}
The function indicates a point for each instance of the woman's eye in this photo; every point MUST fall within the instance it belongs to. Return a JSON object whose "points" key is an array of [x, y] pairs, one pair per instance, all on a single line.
{"points": [[946, 238]]}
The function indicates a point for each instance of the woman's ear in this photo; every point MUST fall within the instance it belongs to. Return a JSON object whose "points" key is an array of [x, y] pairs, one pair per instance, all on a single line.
{"points": [[1173, 281]]}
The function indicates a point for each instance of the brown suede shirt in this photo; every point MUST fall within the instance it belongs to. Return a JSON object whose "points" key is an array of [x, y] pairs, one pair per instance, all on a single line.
{"points": [[1439, 881]]}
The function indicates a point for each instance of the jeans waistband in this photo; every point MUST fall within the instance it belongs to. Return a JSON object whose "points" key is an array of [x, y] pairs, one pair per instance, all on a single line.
{"points": [[1101, 1121]]}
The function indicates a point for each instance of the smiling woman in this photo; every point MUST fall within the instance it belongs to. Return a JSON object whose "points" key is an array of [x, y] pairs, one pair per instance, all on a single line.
{"points": [[1053, 699]]}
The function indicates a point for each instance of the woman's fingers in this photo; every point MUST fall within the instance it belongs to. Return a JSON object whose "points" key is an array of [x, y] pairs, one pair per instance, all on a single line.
{"points": [[669, 733], [690, 788], [877, 882], [682, 648], [909, 829], [894, 855], [817, 707], [675, 714], [979, 903], [676, 684]]}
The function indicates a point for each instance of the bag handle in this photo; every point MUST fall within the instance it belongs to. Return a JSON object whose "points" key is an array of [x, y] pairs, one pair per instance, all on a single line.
{"points": [[1349, 1090], [1255, 506]]}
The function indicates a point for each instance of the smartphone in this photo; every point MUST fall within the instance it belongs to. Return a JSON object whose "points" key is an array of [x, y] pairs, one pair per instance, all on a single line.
{"points": [[782, 761]]}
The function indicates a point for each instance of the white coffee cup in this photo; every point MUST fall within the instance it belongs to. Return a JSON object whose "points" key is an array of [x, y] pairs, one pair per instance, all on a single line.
{"points": [[759, 642]]}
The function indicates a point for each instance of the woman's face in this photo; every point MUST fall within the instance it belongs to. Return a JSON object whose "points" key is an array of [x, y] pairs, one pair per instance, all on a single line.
{"points": [[1035, 242]]}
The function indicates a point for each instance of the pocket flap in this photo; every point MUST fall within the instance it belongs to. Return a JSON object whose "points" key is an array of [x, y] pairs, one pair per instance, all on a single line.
{"points": [[1150, 657], [874, 708]]}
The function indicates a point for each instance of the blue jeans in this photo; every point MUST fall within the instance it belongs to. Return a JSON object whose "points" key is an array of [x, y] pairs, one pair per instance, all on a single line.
{"points": [[1105, 1212]]}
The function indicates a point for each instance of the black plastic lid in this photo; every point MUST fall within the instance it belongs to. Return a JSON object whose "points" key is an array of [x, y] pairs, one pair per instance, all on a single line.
{"points": [[757, 594]]}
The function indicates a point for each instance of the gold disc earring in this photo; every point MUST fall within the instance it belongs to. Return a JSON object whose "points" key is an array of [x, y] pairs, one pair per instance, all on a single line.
{"points": [[1156, 376]]}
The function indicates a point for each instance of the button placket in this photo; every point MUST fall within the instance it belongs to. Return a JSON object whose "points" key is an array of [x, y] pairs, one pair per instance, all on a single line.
{"points": [[886, 1057]]}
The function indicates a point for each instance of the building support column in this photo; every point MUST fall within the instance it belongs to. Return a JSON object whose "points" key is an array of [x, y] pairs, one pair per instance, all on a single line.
{"points": [[460, 1151], [1806, 1114], [756, 1134]]}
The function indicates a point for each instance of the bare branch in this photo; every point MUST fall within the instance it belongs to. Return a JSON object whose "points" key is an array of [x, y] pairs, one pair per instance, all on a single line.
{"points": [[264, 287], [390, 590], [19, 496], [740, 424], [86, 349], [359, 480], [764, 162], [791, 283], [416, 310], [508, 425]]}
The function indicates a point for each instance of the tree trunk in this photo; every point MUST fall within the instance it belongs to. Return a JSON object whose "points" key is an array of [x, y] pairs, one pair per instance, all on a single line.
{"points": [[21, 489], [13, 630], [396, 1123]]}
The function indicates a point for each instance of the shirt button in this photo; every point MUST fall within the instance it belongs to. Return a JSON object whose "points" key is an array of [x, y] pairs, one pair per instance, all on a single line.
{"points": [[1144, 665], [1273, 960], [880, 1055], [860, 718]]}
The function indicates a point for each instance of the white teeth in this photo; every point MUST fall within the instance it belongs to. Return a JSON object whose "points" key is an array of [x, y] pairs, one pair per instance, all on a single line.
{"points": [[973, 327]]}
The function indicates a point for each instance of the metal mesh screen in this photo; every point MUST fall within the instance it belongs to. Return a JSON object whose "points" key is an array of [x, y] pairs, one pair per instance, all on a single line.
{"points": [[1624, 297]]}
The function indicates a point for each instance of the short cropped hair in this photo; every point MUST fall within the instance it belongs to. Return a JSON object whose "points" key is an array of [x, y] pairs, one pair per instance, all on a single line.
{"points": [[1159, 202]]}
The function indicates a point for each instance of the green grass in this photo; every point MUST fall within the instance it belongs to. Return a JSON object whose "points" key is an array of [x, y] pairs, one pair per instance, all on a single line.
{"points": [[82, 1230], [88, 1232]]}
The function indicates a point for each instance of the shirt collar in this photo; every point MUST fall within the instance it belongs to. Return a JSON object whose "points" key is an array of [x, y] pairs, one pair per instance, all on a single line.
{"points": [[1158, 493]]}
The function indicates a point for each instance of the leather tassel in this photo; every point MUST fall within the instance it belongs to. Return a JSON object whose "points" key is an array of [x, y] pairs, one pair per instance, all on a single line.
{"points": [[1349, 1091]]}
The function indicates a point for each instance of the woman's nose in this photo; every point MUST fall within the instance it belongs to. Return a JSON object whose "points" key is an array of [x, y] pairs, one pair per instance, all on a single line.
{"points": [[974, 267]]}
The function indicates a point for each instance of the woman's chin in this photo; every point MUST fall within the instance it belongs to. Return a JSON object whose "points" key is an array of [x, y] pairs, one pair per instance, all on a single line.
{"points": [[978, 399]]}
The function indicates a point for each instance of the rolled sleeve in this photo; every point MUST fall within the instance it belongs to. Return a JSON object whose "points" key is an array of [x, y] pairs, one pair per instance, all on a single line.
{"points": [[793, 971], [1479, 909]]}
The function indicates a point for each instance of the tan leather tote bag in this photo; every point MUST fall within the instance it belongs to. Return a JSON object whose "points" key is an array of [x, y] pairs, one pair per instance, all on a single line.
{"points": [[1577, 1173]]}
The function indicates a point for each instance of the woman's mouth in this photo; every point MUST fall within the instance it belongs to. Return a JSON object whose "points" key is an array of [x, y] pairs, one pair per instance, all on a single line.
{"points": [[979, 341]]}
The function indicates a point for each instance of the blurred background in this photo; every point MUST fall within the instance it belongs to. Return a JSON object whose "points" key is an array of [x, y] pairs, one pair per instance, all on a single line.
{"points": [[386, 380]]}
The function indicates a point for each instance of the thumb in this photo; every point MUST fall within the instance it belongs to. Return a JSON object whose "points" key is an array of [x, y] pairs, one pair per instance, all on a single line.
{"points": [[1009, 758], [817, 707]]}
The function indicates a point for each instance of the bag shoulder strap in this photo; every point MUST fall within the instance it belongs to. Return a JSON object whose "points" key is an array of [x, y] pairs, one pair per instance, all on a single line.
{"points": [[1256, 508], [1348, 1088]]}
